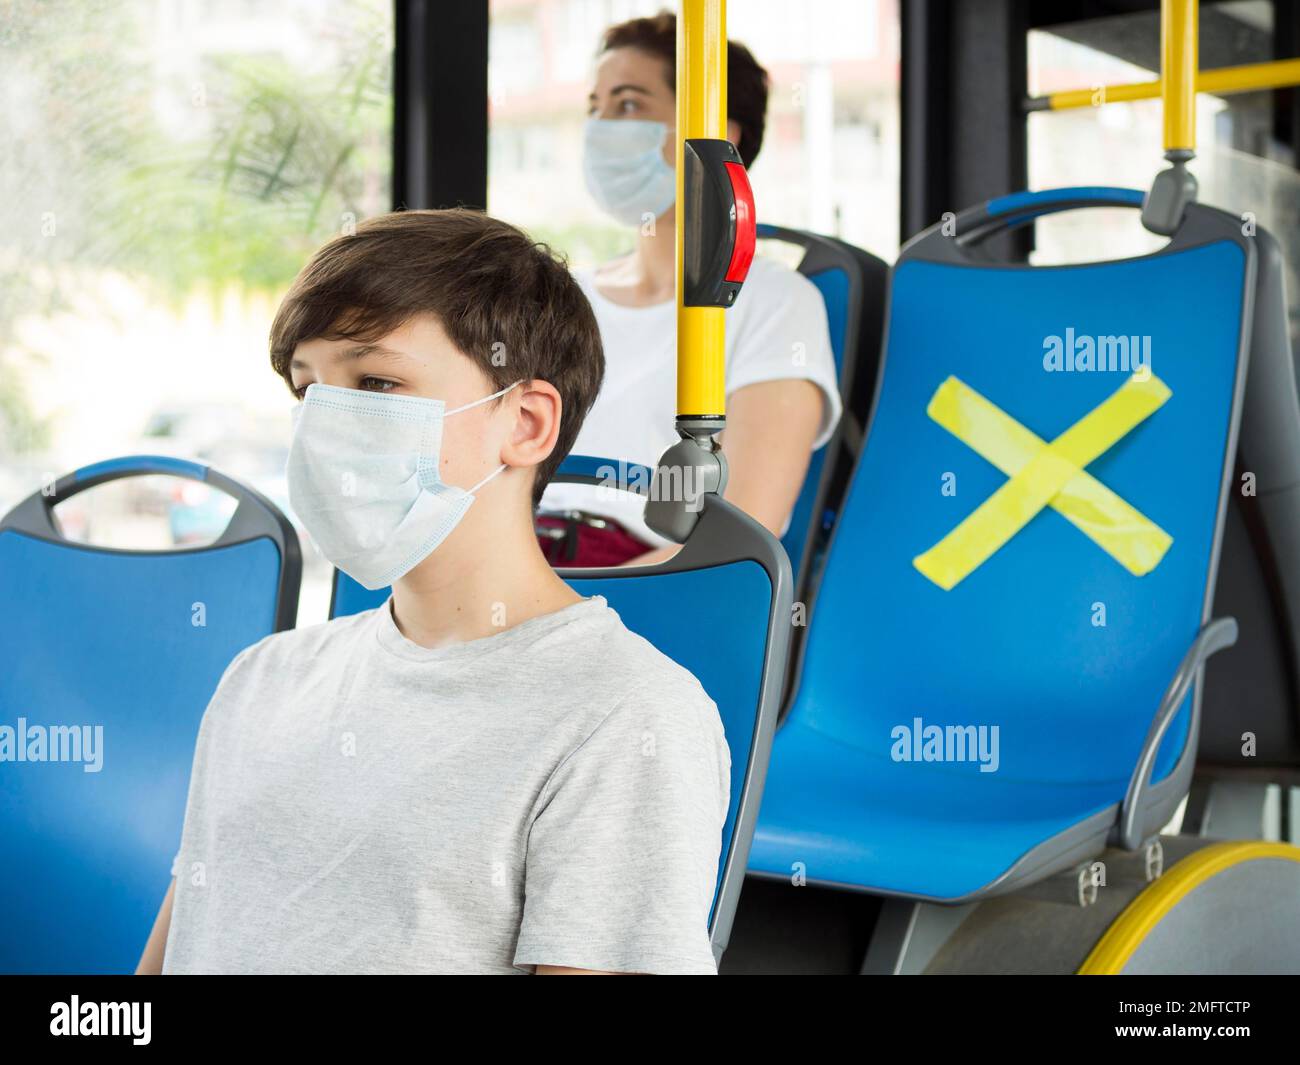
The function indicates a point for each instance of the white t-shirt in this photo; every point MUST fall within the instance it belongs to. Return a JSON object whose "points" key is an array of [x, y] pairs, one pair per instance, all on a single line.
{"points": [[776, 329], [552, 794]]}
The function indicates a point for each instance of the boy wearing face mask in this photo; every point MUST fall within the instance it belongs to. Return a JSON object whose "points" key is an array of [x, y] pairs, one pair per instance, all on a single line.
{"points": [[783, 399], [488, 773]]}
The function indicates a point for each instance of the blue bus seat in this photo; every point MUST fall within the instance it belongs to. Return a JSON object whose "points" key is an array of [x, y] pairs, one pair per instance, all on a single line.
{"points": [[1089, 675], [852, 285], [720, 608], [133, 643]]}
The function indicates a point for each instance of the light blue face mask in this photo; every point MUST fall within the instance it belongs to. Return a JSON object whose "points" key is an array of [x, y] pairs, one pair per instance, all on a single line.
{"points": [[622, 160], [364, 479]]}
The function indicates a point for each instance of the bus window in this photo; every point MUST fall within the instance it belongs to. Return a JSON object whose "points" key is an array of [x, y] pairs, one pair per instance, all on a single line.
{"points": [[830, 154], [1245, 156], [167, 170]]}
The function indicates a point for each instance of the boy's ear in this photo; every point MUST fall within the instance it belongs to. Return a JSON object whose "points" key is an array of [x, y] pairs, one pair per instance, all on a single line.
{"points": [[537, 425]]}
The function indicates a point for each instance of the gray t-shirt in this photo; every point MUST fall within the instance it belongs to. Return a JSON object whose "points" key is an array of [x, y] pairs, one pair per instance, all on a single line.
{"points": [[550, 794]]}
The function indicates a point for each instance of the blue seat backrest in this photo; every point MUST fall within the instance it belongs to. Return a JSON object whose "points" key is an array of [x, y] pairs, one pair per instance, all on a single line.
{"points": [[729, 602], [1021, 642], [851, 284], [734, 600], [834, 285], [129, 645], [349, 597]]}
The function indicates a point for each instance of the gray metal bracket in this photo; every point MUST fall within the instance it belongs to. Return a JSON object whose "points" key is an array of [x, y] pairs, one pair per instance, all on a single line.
{"points": [[909, 934], [1169, 195], [690, 469], [1075, 887]]}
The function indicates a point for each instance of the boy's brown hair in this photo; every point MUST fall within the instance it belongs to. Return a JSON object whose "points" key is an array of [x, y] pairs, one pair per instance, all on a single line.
{"points": [[506, 301], [747, 82]]}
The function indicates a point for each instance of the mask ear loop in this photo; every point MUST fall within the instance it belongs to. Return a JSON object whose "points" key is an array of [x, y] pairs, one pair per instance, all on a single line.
{"points": [[485, 399], [476, 403], [485, 480]]}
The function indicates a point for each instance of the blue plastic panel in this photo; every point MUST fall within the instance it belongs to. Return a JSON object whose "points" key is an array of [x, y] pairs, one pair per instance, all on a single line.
{"points": [[352, 598], [144, 464], [723, 644], [834, 286], [1046, 198], [109, 639], [628, 476]]}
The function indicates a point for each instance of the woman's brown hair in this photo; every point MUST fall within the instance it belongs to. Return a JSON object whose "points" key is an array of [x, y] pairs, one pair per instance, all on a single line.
{"points": [[747, 82]]}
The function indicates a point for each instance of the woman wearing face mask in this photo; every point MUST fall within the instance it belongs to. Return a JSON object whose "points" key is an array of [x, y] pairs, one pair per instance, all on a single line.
{"points": [[782, 396]]}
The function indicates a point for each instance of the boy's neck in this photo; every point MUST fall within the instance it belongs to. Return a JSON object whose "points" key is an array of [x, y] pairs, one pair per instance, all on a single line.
{"points": [[489, 575]]}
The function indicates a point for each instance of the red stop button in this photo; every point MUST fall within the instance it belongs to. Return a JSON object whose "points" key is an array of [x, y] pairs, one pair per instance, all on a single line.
{"points": [[742, 254]]}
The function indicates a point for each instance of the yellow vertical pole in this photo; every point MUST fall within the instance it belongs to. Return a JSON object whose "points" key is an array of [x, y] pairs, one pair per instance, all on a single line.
{"points": [[1178, 71], [701, 112]]}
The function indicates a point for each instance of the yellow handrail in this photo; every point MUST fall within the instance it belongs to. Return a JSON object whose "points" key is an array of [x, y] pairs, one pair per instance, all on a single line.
{"points": [[701, 112], [1223, 81]]}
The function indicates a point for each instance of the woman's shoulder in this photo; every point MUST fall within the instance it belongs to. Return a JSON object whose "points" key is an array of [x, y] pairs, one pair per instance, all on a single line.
{"points": [[774, 280], [772, 288]]}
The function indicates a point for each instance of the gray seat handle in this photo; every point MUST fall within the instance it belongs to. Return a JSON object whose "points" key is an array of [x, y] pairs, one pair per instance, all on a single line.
{"points": [[1214, 636]]}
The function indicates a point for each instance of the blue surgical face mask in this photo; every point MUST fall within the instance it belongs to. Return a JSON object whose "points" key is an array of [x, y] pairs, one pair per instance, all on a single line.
{"points": [[364, 479], [622, 160]]}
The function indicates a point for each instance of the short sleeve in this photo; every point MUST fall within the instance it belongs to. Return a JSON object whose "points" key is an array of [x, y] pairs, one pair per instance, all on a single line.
{"points": [[622, 856], [199, 761], [782, 334], [230, 677]]}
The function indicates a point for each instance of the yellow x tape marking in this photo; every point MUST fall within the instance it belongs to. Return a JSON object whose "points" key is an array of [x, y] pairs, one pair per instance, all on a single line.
{"points": [[1043, 474]]}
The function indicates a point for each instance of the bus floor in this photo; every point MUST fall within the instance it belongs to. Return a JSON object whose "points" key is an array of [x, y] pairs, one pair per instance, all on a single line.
{"points": [[783, 929]]}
